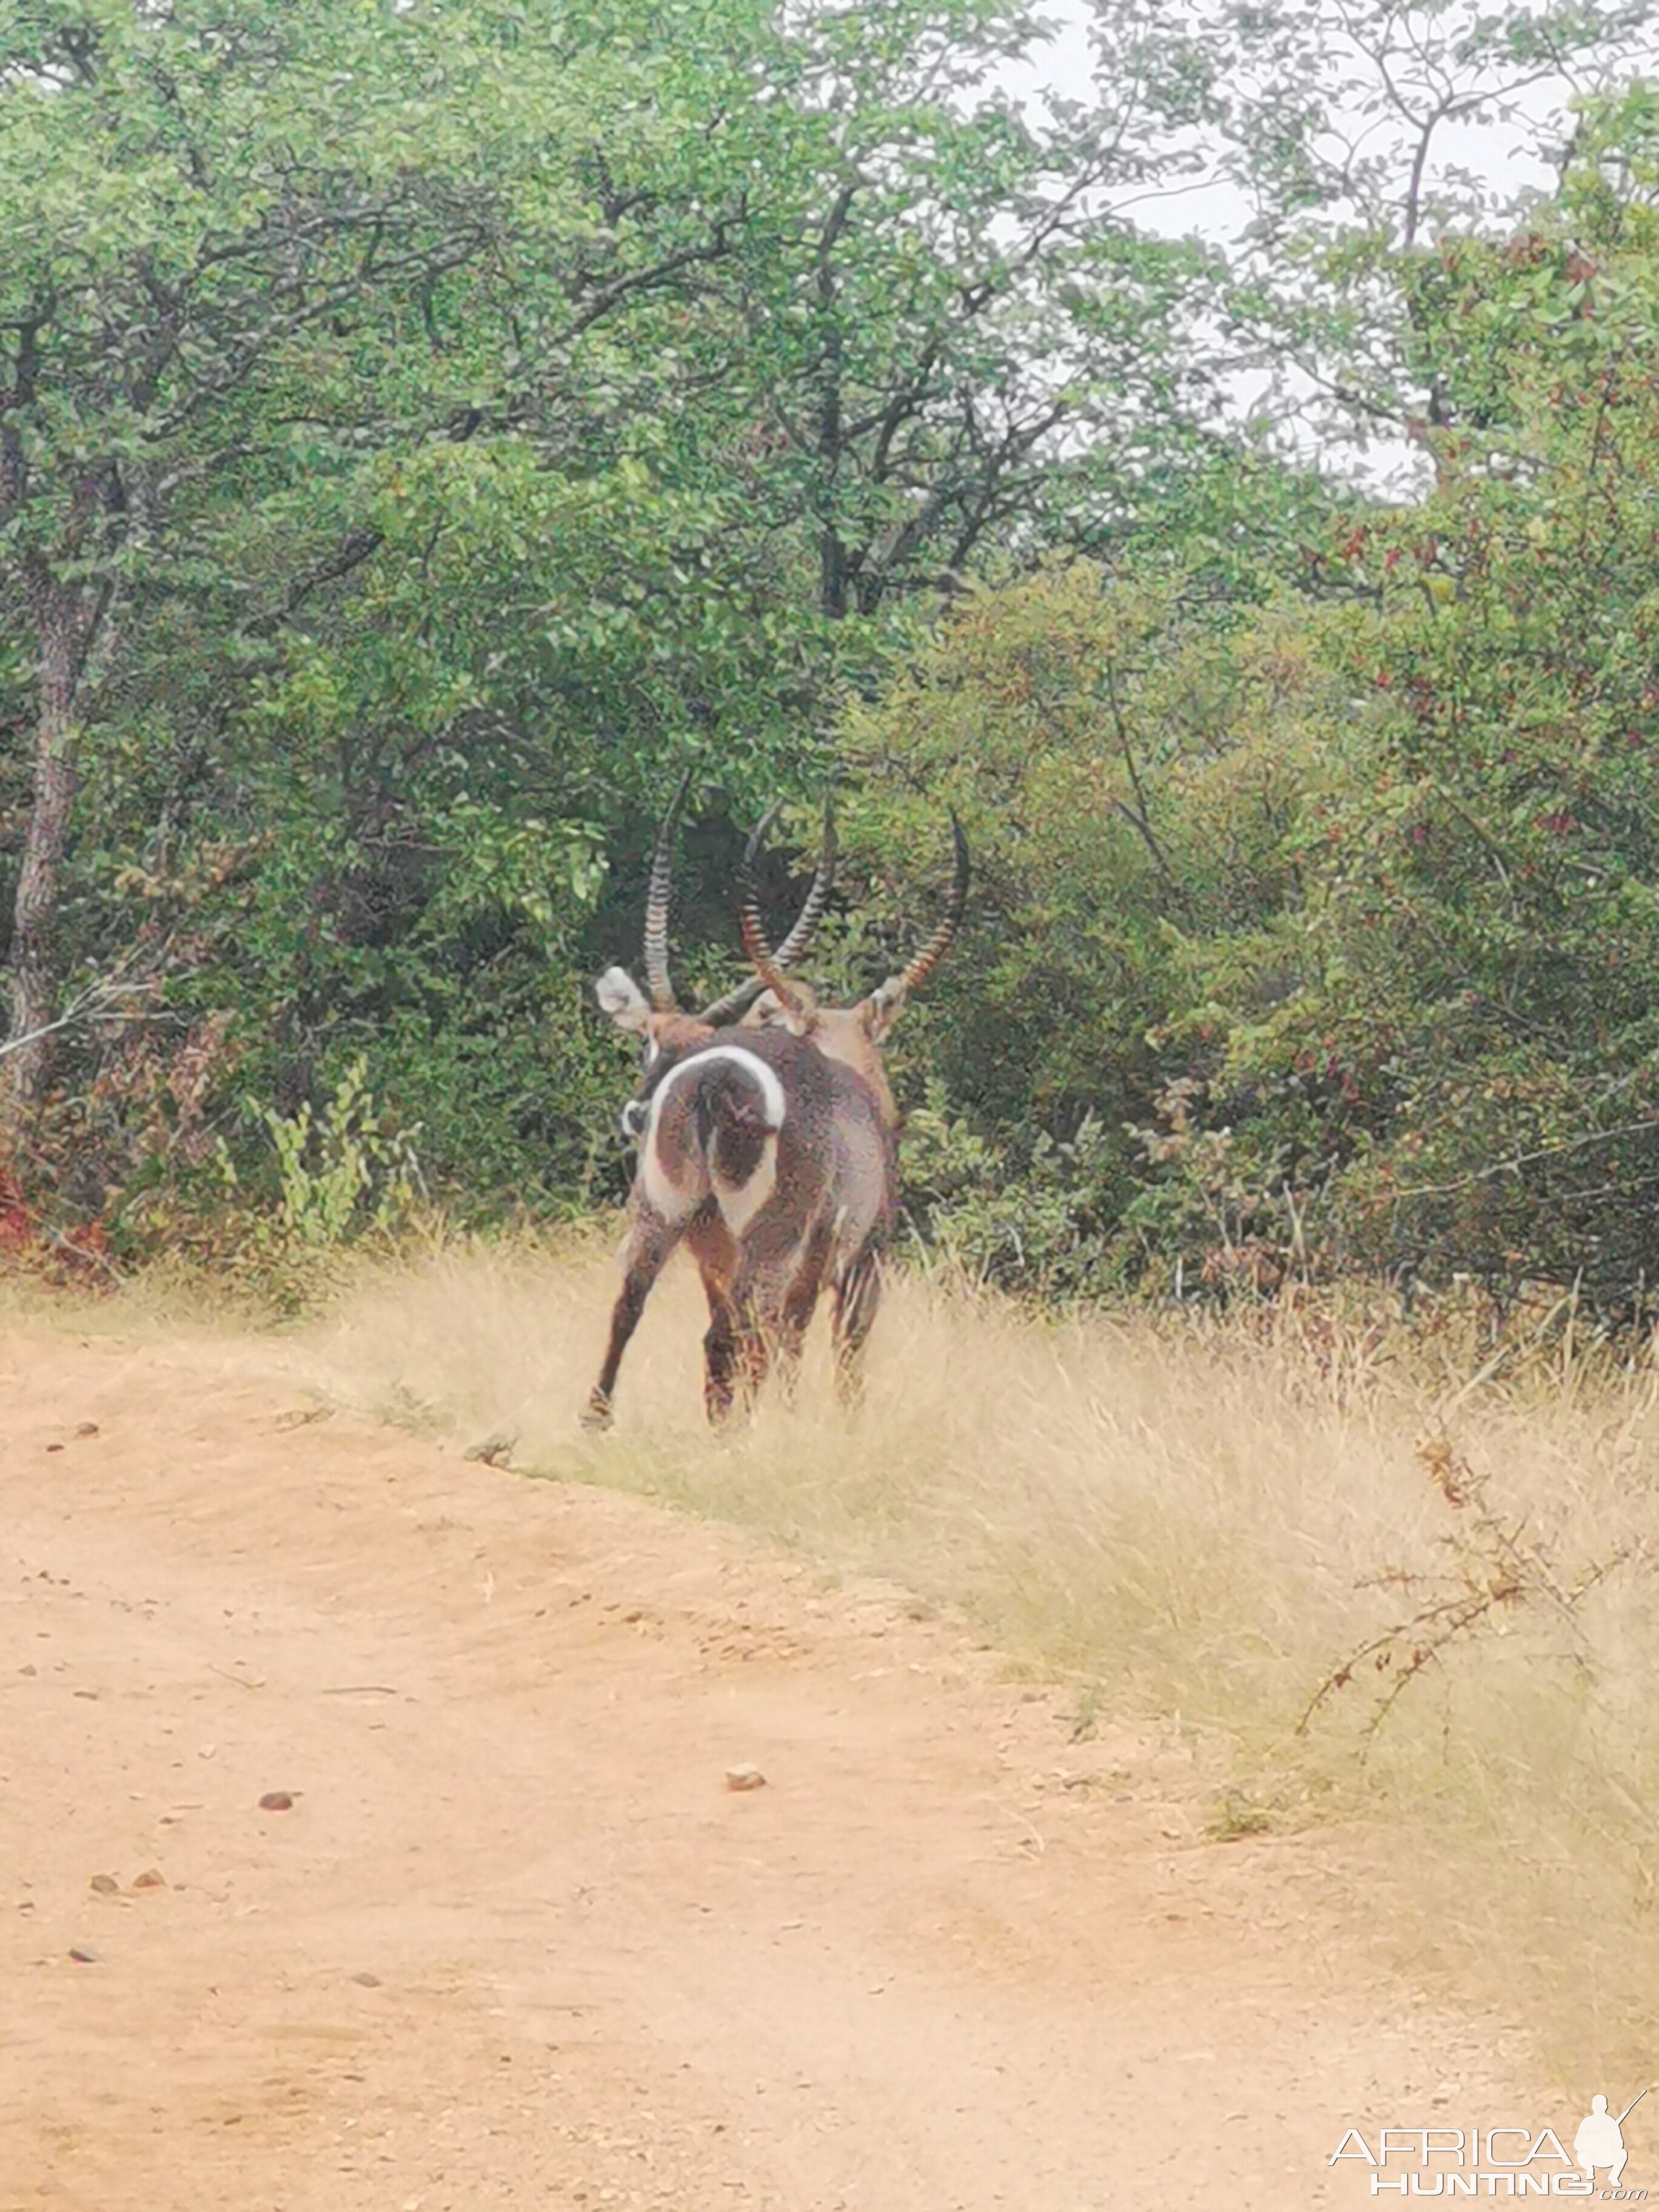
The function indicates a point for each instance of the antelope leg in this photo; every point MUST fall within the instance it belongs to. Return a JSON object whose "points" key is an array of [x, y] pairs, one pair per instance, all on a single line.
{"points": [[857, 1296], [649, 1245]]}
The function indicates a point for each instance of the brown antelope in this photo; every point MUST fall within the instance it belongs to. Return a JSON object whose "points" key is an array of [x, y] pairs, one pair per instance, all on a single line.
{"points": [[772, 1159], [712, 1153]]}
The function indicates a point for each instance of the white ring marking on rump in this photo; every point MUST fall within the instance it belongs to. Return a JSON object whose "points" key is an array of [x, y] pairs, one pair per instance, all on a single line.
{"points": [[752, 1066], [673, 1198]]}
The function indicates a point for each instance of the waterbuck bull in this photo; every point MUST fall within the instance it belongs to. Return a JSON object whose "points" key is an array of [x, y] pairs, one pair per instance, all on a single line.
{"points": [[763, 1149]]}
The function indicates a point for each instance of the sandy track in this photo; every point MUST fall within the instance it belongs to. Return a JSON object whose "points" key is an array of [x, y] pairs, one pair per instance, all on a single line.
{"points": [[516, 1944]]}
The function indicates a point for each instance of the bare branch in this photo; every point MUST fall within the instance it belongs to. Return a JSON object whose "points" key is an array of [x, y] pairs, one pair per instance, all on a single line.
{"points": [[94, 1004]]}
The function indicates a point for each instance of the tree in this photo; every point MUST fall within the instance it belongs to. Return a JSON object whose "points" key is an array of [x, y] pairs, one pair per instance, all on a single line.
{"points": [[1345, 908], [187, 212], [234, 235], [942, 308], [405, 481], [1478, 955], [1133, 761], [1363, 131]]}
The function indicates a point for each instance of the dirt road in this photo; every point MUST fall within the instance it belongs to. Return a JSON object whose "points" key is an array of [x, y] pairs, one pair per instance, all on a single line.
{"points": [[516, 1943]]}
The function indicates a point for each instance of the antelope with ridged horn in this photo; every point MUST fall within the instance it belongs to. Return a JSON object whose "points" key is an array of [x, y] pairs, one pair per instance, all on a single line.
{"points": [[769, 1162], [853, 1035]]}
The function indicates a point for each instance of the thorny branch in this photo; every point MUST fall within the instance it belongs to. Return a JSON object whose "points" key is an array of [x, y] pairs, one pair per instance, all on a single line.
{"points": [[1496, 1565]]}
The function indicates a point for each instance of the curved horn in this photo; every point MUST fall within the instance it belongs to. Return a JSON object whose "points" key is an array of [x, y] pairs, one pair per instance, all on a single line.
{"points": [[922, 966], [656, 904], [768, 966], [761, 957], [793, 946]]}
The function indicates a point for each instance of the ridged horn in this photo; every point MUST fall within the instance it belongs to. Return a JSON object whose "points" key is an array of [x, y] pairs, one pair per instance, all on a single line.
{"points": [[761, 958], [768, 966], [919, 969], [656, 904]]}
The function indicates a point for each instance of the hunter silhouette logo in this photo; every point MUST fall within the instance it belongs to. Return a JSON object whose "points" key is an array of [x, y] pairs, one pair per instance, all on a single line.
{"points": [[1501, 2161], [1600, 2141]]}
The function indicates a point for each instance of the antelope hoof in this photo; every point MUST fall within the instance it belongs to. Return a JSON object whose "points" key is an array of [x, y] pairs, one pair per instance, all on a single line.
{"points": [[597, 1414]]}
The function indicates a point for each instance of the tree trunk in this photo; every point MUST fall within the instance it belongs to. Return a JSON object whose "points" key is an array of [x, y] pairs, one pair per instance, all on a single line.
{"points": [[832, 574], [64, 636]]}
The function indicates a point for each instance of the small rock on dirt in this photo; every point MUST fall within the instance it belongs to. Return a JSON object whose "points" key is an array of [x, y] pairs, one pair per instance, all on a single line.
{"points": [[151, 1878], [494, 1451], [83, 1954], [745, 1777], [277, 1800], [86, 1429], [366, 1981], [105, 1885]]}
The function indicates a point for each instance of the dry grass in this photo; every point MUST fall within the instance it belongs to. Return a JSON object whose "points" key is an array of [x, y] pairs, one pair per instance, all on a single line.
{"points": [[166, 1296], [1197, 1523]]}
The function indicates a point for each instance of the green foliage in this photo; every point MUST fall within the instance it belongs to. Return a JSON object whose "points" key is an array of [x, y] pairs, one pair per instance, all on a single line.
{"points": [[1317, 931], [424, 431], [1133, 761], [1041, 1223], [1486, 929], [431, 428], [343, 1174]]}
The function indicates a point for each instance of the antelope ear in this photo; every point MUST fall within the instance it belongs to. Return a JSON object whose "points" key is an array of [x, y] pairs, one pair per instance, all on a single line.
{"points": [[882, 1009], [621, 997]]}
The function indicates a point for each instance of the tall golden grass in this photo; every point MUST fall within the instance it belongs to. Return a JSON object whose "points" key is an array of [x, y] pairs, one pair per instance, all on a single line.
{"points": [[1195, 1519]]}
